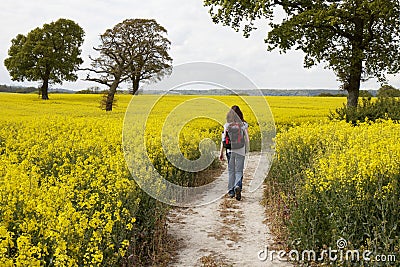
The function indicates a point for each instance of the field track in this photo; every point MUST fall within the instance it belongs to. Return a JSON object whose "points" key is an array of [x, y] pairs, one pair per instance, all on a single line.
{"points": [[226, 232]]}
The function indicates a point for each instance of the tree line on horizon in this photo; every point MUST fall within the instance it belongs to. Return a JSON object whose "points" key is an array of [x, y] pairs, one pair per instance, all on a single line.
{"points": [[384, 91]]}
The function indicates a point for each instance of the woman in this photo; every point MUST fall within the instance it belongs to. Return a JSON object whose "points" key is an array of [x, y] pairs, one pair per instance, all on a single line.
{"points": [[235, 155]]}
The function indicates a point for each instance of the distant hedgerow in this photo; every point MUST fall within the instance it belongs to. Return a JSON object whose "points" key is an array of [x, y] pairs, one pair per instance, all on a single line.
{"points": [[369, 110]]}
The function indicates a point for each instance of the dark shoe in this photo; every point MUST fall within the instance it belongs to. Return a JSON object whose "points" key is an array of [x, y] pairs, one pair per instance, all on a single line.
{"points": [[238, 193], [231, 193]]}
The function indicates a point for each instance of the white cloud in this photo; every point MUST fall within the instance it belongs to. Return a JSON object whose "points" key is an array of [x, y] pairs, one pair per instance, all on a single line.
{"points": [[193, 35]]}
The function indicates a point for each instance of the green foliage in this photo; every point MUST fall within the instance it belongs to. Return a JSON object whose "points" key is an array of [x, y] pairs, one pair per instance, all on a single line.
{"points": [[357, 39], [90, 90], [17, 89], [50, 54], [365, 93], [331, 95], [388, 91], [369, 109]]}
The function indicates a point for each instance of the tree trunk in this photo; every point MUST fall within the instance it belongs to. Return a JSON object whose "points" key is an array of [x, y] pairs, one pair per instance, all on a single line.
{"points": [[111, 93], [356, 66], [353, 84], [352, 98], [44, 90], [135, 85]]}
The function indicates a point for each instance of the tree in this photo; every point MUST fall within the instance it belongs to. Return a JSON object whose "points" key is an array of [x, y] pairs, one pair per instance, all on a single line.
{"points": [[357, 39], [134, 50], [388, 91], [50, 54], [365, 94]]}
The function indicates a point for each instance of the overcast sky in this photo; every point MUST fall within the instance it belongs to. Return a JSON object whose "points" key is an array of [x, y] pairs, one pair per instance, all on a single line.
{"points": [[193, 36]]}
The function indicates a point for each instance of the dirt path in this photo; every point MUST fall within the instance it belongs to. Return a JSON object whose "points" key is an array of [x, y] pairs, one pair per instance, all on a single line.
{"points": [[226, 232]]}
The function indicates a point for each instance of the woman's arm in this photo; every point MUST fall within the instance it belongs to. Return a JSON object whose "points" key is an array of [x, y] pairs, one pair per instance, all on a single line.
{"points": [[247, 140], [221, 152]]}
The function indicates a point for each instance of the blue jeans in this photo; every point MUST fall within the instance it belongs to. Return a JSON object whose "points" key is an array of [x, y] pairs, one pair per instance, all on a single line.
{"points": [[235, 169]]}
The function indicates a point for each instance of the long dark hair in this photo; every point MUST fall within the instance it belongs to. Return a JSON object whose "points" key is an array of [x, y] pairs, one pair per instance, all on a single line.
{"points": [[234, 115]]}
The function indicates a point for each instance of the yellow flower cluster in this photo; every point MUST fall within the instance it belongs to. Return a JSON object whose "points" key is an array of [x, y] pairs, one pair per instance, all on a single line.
{"points": [[174, 131], [339, 180], [295, 110], [364, 158], [342, 155], [66, 195]]}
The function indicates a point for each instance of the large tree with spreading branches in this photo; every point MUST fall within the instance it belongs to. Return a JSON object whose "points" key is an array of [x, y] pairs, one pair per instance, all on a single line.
{"points": [[357, 39], [135, 50], [50, 54]]}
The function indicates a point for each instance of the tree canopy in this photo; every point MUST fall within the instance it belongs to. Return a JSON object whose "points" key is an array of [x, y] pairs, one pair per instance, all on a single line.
{"points": [[357, 39], [50, 54], [134, 50]]}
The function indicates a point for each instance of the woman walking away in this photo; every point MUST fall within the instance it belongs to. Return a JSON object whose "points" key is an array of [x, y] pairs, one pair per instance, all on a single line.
{"points": [[235, 140]]}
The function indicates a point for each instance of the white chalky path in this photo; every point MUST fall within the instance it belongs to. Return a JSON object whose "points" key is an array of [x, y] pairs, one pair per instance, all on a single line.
{"points": [[226, 232]]}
